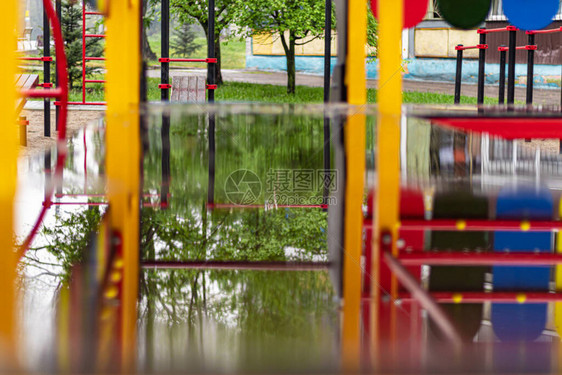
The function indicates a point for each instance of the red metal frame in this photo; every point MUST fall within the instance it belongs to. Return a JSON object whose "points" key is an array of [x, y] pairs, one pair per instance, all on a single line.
{"points": [[478, 46], [527, 47], [488, 31], [496, 297], [88, 58], [60, 93], [170, 59], [479, 225], [549, 31], [480, 259]]}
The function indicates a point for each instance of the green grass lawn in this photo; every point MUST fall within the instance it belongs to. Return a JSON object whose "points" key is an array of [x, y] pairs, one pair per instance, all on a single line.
{"points": [[251, 92]]}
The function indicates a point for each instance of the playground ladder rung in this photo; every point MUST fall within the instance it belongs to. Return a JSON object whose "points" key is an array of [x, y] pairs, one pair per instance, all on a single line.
{"points": [[93, 13], [94, 36], [94, 58], [94, 80]]}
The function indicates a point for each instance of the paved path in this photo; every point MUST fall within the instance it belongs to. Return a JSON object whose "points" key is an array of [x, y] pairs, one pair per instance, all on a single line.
{"points": [[541, 96]]}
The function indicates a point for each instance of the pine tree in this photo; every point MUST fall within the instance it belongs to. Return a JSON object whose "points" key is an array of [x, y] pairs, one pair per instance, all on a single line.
{"points": [[183, 44], [71, 24]]}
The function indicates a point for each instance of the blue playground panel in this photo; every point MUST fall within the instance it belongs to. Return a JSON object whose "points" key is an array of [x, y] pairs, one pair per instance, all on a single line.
{"points": [[530, 14], [521, 322]]}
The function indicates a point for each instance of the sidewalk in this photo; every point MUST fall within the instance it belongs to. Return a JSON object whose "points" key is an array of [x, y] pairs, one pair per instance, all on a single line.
{"points": [[540, 96]]}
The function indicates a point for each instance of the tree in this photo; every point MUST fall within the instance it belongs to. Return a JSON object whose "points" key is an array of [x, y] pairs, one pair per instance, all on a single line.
{"points": [[149, 9], [294, 22], [184, 44], [196, 11], [71, 24]]}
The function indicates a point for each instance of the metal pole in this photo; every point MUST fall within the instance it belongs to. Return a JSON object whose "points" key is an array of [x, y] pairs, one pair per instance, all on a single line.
{"points": [[327, 74], [501, 95], [84, 52], [481, 69], [511, 67], [165, 49], [211, 80], [165, 96], [530, 68], [58, 5], [458, 76], [46, 73]]}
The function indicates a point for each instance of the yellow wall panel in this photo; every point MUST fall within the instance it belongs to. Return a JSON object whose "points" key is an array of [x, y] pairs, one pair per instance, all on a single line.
{"points": [[431, 42], [466, 38]]}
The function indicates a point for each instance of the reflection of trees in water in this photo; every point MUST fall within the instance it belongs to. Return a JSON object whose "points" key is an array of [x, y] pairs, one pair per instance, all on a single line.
{"points": [[261, 309]]}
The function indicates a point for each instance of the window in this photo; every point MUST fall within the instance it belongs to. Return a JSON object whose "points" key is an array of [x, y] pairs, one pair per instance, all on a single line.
{"points": [[432, 12]]}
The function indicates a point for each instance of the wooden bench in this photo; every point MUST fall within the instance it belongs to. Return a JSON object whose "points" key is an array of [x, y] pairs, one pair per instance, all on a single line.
{"points": [[24, 82], [190, 88]]}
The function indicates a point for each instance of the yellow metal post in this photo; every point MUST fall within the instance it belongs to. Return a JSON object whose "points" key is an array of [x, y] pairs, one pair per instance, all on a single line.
{"points": [[123, 153], [355, 79], [8, 177], [386, 219]]}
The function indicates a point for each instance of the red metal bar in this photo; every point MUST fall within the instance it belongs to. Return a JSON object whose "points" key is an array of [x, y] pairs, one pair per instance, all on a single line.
{"points": [[527, 47], [94, 36], [488, 31], [463, 48], [62, 73], [478, 225], [94, 13], [42, 93], [496, 297], [164, 86], [75, 204], [225, 205], [88, 58], [44, 58], [480, 259], [95, 81], [169, 59], [83, 103], [84, 51], [80, 195], [549, 31], [236, 265]]}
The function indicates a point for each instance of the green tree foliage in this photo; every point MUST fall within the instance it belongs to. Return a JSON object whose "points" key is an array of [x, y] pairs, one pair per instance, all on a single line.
{"points": [[71, 24], [183, 44], [294, 22], [196, 11]]}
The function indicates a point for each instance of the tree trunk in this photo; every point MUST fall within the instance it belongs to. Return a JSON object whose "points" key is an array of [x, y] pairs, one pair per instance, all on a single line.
{"points": [[218, 65], [146, 50], [290, 56]]}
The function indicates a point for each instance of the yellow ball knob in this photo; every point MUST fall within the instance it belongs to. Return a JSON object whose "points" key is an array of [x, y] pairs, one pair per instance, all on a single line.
{"points": [[461, 225], [525, 226], [521, 298], [457, 297]]}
